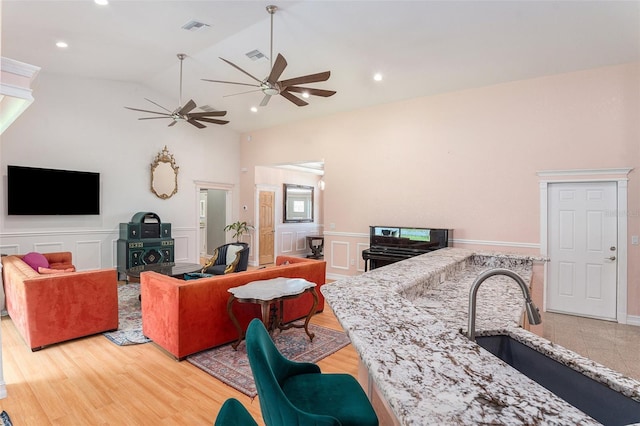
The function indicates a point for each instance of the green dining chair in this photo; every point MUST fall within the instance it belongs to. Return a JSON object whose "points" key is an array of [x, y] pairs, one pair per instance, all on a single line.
{"points": [[233, 413], [297, 393]]}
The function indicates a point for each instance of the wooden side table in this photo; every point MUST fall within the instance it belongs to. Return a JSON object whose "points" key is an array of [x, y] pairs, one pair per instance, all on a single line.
{"points": [[267, 292], [315, 243]]}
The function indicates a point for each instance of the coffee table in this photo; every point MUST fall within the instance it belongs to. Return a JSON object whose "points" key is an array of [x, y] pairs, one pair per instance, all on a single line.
{"points": [[268, 292], [172, 269]]}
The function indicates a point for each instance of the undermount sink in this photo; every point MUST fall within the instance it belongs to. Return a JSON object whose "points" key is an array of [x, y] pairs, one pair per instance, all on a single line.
{"points": [[593, 398]]}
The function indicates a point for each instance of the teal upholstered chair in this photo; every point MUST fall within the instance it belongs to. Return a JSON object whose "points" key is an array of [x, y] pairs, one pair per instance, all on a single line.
{"points": [[294, 393], [233, 413]]}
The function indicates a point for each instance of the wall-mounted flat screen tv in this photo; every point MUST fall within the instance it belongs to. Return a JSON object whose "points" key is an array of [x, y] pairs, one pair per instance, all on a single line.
{"points": [[36, 191]]}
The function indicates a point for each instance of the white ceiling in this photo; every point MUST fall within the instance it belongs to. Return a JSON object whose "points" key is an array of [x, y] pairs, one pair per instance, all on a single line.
{"points": [[421, 47]]}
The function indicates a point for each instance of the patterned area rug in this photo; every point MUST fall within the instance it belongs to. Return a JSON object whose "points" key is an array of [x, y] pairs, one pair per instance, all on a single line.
{"points": [[5, 419], [232, 367], [129, 317]]}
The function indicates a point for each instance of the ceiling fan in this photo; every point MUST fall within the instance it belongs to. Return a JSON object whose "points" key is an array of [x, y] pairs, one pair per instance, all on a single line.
{"points": [[182, 112], [270, 86]]}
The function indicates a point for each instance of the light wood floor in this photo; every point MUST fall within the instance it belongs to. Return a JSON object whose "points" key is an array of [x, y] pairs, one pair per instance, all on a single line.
{"points": [[92, 381]]}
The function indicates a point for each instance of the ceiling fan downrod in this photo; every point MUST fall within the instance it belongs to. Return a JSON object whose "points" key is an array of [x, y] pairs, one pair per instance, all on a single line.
{"points": [[181, 56], [272, 10]]}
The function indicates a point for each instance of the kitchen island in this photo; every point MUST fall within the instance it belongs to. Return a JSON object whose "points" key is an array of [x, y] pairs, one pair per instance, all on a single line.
{"points": [[406, 321]]}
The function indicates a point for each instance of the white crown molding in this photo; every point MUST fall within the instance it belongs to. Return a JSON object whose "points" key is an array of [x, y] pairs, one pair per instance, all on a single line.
{"points": [[16, 91], [585, 172], [18, 68], [214, 185]]}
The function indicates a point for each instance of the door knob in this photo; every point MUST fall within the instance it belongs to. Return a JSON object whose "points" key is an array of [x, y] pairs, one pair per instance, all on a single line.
{"points": [[610, 258]]}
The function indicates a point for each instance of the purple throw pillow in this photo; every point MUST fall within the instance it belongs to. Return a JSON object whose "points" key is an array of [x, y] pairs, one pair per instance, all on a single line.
{"points": [[35, 260]]}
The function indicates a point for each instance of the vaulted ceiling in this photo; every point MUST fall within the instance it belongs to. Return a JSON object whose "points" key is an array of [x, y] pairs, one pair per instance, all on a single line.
{"points": [[420, 47]]}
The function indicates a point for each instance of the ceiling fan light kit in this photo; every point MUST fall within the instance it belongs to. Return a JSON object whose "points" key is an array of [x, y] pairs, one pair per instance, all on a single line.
{"points": [[183, 112], [271, 86]]}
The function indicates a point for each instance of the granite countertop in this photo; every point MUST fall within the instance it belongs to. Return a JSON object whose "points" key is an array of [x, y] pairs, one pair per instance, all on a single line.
{"points": [[406, 321]]}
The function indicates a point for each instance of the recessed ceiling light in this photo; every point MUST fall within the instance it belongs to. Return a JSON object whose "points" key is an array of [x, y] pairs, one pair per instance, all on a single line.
{"points": [[254, 109], [305, 94], [62, 44], [377, 76], [101, 2]]}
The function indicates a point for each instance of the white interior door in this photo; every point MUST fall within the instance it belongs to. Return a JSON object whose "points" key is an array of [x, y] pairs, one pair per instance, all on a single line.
{"points": [[582, 235]]}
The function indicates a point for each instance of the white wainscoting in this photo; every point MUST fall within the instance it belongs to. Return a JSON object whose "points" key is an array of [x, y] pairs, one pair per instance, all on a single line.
{"points": [[88, 254], [291, 239], [91, 249], [340, 255], [343, 253]]}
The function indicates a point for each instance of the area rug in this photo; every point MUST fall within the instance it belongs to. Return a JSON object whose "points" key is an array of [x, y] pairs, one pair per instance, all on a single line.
{"points": [[5, 419], [129, 317], [232, 367]]}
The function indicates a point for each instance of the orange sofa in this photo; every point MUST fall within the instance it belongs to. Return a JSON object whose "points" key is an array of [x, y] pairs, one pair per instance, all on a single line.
{"points": [[53, 308], [185, 317]]}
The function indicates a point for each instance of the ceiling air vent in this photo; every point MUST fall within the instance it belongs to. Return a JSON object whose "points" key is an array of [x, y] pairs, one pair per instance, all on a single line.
{"points": [[194, 25], [208, 108], [254, 55]]}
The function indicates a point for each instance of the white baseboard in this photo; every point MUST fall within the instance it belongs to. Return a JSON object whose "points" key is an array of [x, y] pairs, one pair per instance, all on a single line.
{"points": [[633, 320], [337, 277]]}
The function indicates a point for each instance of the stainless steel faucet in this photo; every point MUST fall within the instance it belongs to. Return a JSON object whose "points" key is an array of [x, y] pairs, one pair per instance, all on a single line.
{"points": [[533, 314]]}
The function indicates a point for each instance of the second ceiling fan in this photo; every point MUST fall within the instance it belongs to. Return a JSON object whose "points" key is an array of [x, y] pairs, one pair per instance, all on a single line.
{"points": [[271, 86], [183, 112]]}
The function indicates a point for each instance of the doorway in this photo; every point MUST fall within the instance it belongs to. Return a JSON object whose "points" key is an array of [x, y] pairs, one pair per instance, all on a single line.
{"points": [[583, 232], [214, 211], [212, 220], [266, 229], [583, 249]]}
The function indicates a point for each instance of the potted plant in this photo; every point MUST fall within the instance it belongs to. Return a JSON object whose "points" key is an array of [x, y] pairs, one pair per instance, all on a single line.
{"points": [[239, 229]]}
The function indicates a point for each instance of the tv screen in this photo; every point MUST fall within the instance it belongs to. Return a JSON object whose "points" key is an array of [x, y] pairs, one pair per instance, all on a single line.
{"points": [[35, 191]]}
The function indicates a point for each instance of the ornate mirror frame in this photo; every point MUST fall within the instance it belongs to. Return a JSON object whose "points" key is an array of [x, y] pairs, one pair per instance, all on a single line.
{"points": [[164, 175], [298, 203]]}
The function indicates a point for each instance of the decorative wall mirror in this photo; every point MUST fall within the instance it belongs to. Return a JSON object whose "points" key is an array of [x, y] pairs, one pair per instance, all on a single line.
{"points": [[164, 175], [298, 203]]}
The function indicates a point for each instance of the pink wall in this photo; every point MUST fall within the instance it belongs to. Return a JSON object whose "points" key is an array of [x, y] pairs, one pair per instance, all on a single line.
{"points": [[464, 160]]}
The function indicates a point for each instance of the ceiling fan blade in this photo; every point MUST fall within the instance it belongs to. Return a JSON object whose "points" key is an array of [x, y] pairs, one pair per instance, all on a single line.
{"points": [[311, 78], [172, 123], [207, 114], [187, 107], [153, 118], [311, 91], [277, 70], [150, 112], [231, 82], [195, 123], [296, 100], [157, 104], [210, 120], [265, 100], [241, 70], [242, 93]]}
